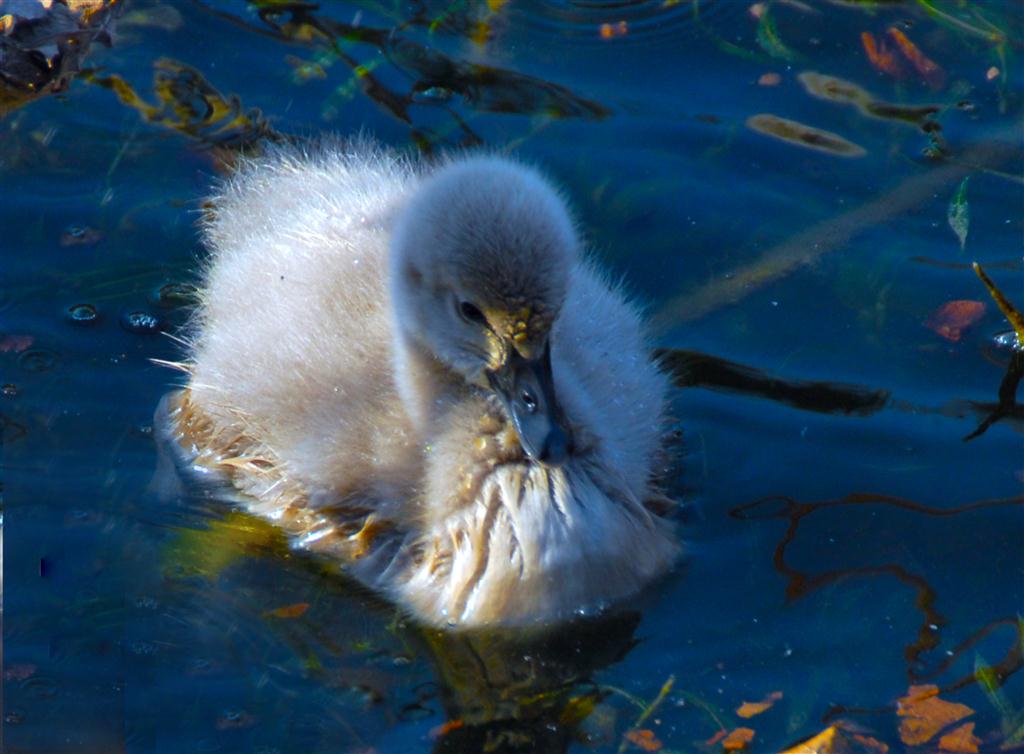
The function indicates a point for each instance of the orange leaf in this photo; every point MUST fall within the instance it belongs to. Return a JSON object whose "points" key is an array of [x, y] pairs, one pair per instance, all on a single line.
{"points": [[961, 741], [445, 728], [930, 71], [879, 56], [738, 739], [749, 709], [716, 738], [925, 714], [644, 739], [609, 31], [953, 317], [871, 744], [290, 611]]}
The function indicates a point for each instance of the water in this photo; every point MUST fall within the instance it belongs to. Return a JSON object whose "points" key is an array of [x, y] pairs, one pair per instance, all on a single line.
{"points": [[837, 558]]}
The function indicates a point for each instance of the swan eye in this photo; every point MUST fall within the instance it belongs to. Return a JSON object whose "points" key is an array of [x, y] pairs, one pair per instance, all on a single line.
{"points": [[471, 313]]}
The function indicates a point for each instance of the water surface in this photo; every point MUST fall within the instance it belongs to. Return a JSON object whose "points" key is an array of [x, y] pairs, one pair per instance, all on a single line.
{"points": [[838, 556]]}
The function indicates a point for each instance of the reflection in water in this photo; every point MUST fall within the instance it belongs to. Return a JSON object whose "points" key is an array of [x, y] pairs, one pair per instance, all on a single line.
{"points": [[508, 690], [42, 45], [523, 691], [695, 369], [189, 104], [1007, 405], [481, 87], [800, 584]]}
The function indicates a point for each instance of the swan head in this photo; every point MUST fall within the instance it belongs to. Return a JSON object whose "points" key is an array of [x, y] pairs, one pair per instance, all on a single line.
{"points": [[480, 262]]}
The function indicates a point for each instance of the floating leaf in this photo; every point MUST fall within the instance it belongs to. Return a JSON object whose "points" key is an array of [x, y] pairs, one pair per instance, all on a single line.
{"points": [[961, 741], [953, 317], [959, 214], [289, 611], [643, 739], [929, 70], [770, 41], [879, 56], [610, 31], [925, 714], [738, 739], [749, 709], [804, 135], [834, 740]]}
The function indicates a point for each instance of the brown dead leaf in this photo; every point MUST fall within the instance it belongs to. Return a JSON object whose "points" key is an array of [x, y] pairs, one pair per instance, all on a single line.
{"points": [[925, 714], [738, 739], [769, 79], [749, 709], [290, 611], [643, 739], [961, 741]]}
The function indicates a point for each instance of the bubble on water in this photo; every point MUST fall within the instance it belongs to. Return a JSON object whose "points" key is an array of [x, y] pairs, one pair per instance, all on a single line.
{"points": [[79, 235], [141, 323], [432, 94], [40, 687], [82, 314], [173, 295], [1007, 340], [37, 360]]}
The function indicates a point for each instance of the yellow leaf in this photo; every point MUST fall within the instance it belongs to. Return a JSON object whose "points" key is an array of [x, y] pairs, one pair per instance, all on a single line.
{"points": [[835, 740]]}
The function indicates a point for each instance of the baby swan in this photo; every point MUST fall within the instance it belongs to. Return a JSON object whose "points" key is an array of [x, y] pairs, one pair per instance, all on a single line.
{"points": [[414, 369]]}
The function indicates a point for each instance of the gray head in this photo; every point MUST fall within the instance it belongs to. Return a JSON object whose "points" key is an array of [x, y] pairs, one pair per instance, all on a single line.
{"points": [[480, 264]]}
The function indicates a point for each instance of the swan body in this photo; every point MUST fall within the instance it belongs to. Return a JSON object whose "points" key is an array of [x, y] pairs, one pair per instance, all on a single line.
{"points": [[414, 369]]}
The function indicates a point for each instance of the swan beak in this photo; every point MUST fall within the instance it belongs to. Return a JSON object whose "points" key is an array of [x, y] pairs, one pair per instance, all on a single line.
{"points": [[527, 391]]}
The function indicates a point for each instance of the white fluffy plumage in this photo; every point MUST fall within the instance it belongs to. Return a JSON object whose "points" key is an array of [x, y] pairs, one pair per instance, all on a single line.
{"points": [[339, 377]]}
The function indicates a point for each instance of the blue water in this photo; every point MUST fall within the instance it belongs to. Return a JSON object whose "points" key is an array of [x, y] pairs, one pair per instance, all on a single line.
{"points": [[837, 559]]}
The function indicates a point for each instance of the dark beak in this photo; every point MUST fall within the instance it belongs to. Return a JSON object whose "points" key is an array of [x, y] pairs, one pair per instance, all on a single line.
{"points": [[527, 391]]}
